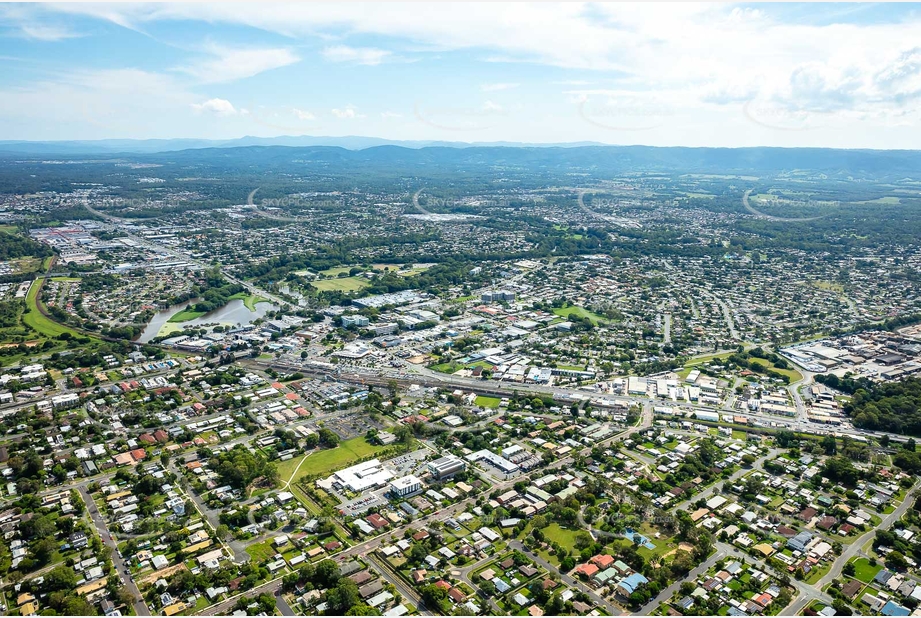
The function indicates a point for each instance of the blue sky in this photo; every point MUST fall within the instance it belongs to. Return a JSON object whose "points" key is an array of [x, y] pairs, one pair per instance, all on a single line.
{"points": [[838, 75]]}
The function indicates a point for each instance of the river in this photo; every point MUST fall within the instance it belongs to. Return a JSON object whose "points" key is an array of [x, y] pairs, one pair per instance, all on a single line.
{"points": [[233, 313]]}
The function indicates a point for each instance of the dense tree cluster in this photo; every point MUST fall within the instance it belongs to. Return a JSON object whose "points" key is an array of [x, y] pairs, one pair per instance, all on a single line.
{"points": [[239, 467], [894, 407]]}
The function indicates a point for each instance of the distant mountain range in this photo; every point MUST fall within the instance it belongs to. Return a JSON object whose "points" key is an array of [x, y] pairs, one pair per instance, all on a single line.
{"points": [[113, 146], [352, 155]]}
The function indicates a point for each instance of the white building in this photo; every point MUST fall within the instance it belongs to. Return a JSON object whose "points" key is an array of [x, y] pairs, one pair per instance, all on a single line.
{"points": [[405, 486]]}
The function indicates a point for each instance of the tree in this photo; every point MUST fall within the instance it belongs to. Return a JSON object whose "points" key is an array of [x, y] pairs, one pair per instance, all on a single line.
{"points": [[841, 607], [896, 560], [567, 564], [785, 438], [829, 445], [326, 574], [328, 438], [849, 569], [840, 469], [417, 554], [362, 610], [433, 595], [124, 596], [78, 606], [343, 597], [60, 578], [43, 549]]}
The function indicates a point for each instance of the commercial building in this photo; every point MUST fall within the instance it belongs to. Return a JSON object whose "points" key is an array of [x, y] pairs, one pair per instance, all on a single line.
{"points": [[361, 477], [447, 466], [707, 416], [405, 486], [503, 464], [500, 295], [359, 321]]}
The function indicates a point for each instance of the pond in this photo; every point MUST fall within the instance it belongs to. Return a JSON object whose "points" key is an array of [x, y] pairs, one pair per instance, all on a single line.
{"points": [[233, 313]]}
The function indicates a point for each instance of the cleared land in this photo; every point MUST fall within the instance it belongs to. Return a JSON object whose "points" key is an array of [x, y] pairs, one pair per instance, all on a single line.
{"points": [[566, 537], [487, 402], [335, 272], [344, 284], [795, 376], [579, 312]]}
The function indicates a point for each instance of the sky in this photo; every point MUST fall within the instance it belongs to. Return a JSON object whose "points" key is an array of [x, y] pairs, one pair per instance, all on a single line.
{"points": [[728, 75]]}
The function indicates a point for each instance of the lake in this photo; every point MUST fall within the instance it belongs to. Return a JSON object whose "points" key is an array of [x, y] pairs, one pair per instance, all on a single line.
{"points": [[233, 313]]}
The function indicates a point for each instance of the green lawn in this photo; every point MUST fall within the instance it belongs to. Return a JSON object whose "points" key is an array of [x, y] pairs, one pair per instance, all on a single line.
{"points": [[487, 402], [566, 537], [330, 460], [447, 367], [249, 300], [795, 376], [34, 319], [817, 572], [700, 360], [864, 572], [335, 272], [185, 315], [286, 468], [344, 284], [262, 551], [579, 312]]}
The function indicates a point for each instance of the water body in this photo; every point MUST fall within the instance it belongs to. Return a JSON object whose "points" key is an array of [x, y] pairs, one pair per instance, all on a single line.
{"points": [[301, 301], [233, 313]]}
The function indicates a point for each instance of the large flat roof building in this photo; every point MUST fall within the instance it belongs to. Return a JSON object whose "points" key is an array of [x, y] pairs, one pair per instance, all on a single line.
{"points": [[405, 486], [363, 476], [446, 466]]}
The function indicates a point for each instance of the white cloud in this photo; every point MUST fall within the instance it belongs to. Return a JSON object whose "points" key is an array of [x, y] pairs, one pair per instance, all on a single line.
{"points": [[708, 60], [358, 55], [219, 107], [389, 114], [498, 86], [47, 33], [303, 114], [32, 23], [489, 106], [227, 65], [347, 112]]}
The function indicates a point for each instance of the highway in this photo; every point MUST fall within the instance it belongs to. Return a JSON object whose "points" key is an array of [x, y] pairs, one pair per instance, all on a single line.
{"points": [[381, 377]]}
